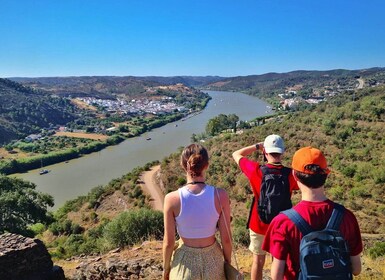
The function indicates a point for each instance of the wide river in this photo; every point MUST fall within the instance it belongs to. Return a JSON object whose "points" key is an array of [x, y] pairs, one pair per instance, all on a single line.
{"points": [[77, 177]]}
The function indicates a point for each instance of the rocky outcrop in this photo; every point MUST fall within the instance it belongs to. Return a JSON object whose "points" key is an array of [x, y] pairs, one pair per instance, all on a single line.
{"points": [[115, 268], [142, 262], [25, 258]]}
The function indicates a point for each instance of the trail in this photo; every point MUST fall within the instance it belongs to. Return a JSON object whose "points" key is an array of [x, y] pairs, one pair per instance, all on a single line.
{"points": [[361, 83], [150, 186]]}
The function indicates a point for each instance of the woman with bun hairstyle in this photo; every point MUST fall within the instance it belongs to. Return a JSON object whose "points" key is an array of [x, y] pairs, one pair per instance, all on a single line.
{"points": [[196, 210]]}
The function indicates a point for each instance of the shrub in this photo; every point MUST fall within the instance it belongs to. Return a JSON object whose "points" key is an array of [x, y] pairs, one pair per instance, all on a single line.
{"points": [[94, 195], [377, 250], [65, 227], [240, 232], [337, 192], [349, 171], [134, 226], [73, 243], [37, 228], [181, 181], [360, 191]]}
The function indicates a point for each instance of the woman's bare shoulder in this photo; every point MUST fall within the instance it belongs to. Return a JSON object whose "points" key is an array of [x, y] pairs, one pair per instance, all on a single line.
{"points": [[222, 192], [172, 197]]}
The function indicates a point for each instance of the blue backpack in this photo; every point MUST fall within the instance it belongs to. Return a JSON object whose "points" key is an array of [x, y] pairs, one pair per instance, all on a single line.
{"points": [[323, 254]]}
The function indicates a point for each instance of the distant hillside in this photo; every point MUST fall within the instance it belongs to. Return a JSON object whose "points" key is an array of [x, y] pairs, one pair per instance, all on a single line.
{"points": [[100, 87], [108, 86], [24, 111], [269, 84], [193, 81], [266, 85]]}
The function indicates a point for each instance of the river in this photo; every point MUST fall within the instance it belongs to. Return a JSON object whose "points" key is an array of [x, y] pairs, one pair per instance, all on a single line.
{"points": [[69, 180]]}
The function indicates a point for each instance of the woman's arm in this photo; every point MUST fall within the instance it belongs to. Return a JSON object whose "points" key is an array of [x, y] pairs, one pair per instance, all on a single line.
{"points": [[224, 219], [169, 234]]}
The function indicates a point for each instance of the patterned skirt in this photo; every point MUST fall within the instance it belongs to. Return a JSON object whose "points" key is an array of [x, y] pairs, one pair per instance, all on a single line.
{"points": [[197, 263]]}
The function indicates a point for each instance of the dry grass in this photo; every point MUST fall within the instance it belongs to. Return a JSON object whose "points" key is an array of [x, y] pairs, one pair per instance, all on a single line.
{"points": [[4, 154], [371, 269], [82, 105], [93, 136], [110, 207]]}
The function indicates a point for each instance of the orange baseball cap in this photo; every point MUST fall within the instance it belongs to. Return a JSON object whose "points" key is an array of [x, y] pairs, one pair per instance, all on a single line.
{"points": [[309, 156]]}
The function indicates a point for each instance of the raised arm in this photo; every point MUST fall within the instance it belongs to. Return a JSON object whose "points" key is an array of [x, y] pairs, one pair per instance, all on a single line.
{"points": [[238, 154]]}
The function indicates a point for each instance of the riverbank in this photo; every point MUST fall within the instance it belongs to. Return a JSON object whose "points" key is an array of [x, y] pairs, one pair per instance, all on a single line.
{"points": [[19, 161], [67, 181]]}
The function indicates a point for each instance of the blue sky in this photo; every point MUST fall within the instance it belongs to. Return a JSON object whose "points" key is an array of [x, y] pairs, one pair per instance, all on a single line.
{"points": [[182, 37]]}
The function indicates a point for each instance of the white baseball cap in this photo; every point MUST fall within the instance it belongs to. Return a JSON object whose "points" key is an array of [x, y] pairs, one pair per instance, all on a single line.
{"points": [[274, 144]]}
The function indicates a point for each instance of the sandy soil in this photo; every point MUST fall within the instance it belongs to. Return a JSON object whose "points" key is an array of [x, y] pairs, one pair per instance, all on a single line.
{"points": [[150, 186]]}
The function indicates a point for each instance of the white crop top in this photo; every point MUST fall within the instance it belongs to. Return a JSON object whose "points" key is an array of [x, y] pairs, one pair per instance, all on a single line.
{"points": [[198, 216]]}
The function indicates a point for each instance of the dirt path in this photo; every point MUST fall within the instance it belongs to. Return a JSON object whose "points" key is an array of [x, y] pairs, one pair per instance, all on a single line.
{"points": [[150, 187], [361, 83]]}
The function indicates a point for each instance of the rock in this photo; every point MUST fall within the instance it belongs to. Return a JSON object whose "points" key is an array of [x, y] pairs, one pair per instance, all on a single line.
{"points": [[26, 259], [114, 268]]}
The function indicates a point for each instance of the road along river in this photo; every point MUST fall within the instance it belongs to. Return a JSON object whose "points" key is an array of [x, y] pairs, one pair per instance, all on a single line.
{"points": [[69, 180]]}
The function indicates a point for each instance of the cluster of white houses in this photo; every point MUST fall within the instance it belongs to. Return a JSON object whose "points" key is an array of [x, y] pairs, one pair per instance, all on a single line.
{"points": [[135, 106]]}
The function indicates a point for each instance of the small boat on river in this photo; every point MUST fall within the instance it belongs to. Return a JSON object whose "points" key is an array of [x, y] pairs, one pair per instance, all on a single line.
{"points": [[43, 171]]}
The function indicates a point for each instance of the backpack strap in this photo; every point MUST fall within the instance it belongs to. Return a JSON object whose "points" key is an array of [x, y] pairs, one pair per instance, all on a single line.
{"points": [[297, 219], [336, 217], [284, 170], [264, 170]]}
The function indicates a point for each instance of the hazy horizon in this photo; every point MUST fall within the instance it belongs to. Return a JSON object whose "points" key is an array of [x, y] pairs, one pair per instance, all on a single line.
{"points": [[145, 76]]}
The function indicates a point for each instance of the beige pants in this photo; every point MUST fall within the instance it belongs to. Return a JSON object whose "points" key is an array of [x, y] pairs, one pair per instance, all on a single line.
{"points": [[197, 263], [256, 241]]}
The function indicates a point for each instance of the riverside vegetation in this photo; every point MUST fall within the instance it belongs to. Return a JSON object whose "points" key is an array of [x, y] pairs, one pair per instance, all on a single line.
{"points": [[26, 110], [348, 128]]}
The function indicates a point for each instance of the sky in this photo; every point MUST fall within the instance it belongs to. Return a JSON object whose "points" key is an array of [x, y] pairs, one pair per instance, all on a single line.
{"points": [[45, 38]]}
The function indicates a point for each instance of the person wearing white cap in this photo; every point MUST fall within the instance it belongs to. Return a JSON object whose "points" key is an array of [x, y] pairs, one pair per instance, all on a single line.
{"points": [[273, 148]]}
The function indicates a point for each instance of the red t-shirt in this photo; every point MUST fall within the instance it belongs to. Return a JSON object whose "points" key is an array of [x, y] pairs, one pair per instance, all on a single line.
{"points": [[283, 238], [253, 172]]}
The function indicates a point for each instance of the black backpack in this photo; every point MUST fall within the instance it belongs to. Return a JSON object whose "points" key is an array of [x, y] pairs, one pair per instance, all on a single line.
{"points": [[274, 196], [323, 254]]}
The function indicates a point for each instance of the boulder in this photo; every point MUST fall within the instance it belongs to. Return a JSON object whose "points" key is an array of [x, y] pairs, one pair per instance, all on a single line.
{"points": [[24, 258]]}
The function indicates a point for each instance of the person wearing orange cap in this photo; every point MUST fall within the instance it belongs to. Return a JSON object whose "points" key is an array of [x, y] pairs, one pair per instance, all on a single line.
{"points": [[272, 148], [283, 238]]}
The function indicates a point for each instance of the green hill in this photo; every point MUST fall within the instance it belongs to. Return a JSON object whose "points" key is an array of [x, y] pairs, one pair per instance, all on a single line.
{"points": [[350, 132], [304, 82], [108, 86], [24, 111]]}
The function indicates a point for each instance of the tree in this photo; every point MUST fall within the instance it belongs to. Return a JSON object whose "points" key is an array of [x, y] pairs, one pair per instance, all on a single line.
{"points": [[232, 121], [21, 205], [213, 127], [221, 122]]}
